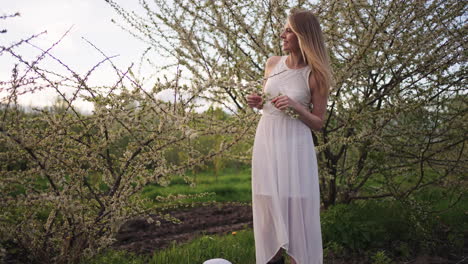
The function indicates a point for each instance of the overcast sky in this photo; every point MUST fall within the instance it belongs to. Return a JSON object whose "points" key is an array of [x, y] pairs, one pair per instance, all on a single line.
{"points": [[90, 19]]}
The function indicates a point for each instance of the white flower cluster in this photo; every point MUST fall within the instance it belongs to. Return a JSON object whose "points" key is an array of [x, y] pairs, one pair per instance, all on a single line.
{"points": [[290, 111]]}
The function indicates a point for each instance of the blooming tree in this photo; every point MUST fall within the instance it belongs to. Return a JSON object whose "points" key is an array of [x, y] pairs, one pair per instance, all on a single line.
{"points": [[68, 180], [396, 114]]}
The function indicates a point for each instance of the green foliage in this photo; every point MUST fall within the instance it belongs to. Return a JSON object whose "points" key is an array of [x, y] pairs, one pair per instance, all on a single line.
{"points": [[403, 229], [347, 226], [334, 250], [381, 258]]}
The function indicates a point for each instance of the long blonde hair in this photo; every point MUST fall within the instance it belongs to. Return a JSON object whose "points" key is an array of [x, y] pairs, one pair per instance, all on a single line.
{"points": [[311, 42]]}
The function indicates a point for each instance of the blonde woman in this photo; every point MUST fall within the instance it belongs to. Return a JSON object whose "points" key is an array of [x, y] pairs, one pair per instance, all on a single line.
{"points": [[285, 187]]}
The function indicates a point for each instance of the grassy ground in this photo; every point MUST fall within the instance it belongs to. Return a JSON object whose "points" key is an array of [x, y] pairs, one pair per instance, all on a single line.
{"points": [[231, 186], [376, 231], [238, 248]]}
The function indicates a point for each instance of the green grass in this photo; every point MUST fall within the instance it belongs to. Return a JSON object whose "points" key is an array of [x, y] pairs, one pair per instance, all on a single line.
{"points": [[231, 186], [239, 249]]}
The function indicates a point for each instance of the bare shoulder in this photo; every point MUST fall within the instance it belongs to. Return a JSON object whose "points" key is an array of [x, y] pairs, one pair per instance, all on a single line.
{"points": [[271, 63]]}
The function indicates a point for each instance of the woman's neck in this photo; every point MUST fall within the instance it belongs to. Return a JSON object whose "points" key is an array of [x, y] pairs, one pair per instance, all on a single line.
{"points": [[295, 60]]}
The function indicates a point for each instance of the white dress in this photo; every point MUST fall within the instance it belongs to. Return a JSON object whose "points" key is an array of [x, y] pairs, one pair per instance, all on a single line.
{"points": [[285, 187]]}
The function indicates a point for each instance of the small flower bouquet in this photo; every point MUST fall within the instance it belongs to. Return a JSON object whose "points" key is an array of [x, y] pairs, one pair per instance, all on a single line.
{"points": [[290, 111]]}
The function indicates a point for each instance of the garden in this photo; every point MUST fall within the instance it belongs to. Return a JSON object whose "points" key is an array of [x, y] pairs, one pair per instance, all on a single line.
{"points": [[145, 178]]}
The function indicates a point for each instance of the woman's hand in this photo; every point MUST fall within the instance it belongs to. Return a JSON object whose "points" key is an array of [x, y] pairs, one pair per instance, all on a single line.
{"points": [[255, 101], [282, 102]]}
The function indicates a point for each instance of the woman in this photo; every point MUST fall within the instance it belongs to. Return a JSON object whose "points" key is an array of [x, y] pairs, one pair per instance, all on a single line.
{"points": [[285, 188]]}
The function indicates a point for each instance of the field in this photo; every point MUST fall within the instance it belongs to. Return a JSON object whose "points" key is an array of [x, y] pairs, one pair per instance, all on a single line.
{"points": [[219, 226]]}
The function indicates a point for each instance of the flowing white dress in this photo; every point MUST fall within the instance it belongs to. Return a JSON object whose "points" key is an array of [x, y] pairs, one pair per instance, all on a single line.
{"points": [[285, 187]]}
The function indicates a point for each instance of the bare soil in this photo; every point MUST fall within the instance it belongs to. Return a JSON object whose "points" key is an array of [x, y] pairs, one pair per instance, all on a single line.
{"points": [[140, 236]]}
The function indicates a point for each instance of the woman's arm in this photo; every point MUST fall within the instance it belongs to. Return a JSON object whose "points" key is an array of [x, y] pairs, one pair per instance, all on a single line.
{"points": [[314, 119]]}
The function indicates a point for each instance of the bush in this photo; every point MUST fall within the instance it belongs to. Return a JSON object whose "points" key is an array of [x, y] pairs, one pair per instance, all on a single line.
{"points": [[403, 228]]}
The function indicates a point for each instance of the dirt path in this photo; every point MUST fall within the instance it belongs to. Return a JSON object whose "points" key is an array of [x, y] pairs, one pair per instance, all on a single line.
{"points": [[138, 235]]}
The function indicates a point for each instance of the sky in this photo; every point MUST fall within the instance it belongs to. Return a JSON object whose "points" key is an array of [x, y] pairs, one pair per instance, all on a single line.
{"points": [[90, 19]]}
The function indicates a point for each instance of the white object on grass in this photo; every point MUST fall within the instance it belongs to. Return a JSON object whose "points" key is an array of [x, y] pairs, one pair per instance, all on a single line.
{"points": [[217, 261]]}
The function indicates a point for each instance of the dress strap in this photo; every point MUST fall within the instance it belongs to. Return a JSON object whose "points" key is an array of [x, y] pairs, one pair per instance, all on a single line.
{"points": [[306, 73], [282, 64]]}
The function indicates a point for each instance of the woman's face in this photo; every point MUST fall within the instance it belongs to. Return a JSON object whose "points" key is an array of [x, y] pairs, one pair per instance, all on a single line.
{"points": [[290, 41]]}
